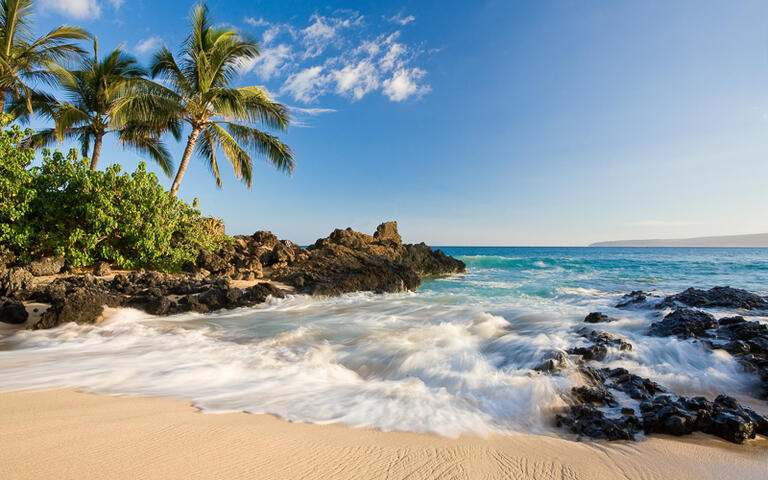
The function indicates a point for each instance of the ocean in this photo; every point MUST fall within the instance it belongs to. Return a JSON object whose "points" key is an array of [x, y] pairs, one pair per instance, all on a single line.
{"points": [[455, 357]]}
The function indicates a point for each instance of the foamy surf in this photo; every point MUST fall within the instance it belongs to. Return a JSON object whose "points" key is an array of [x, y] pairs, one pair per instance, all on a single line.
{"points": [[455, 358]]}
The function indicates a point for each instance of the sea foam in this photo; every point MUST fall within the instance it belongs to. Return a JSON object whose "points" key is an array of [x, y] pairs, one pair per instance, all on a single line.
{"points": [[455, 358]]}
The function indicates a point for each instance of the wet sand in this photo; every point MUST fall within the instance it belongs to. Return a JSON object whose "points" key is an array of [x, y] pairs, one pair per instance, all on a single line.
{"points": [[66, 434]]}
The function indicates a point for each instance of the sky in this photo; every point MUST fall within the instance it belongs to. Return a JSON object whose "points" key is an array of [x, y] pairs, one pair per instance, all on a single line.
{"points": [[485, 122]]}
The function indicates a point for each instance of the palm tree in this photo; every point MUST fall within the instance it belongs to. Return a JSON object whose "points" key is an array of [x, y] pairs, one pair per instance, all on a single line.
{"points": [[24, 58], [96, 108], [199, 93]]}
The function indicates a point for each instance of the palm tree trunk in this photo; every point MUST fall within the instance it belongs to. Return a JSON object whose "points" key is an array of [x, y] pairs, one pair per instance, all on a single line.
{"points": [[2, 100], [96, 151], [191, 141]]}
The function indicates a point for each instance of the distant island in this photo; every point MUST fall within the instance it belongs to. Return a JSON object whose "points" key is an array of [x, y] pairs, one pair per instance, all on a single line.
{"points": [[752, 240]]}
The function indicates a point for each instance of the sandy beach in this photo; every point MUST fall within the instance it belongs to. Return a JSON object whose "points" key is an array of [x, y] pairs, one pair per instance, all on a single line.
{"points": [[66, 434]]}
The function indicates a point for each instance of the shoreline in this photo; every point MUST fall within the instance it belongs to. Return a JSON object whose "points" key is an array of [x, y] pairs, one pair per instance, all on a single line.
{"points": [[72, 434]]}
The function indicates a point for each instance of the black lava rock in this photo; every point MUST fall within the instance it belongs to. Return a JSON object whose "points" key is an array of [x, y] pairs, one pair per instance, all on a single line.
{"points": [[684, 323]]}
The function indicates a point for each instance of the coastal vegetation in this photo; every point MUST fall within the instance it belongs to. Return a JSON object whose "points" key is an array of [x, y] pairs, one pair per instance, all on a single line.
{"points": [[63, 208], [62, 205]]}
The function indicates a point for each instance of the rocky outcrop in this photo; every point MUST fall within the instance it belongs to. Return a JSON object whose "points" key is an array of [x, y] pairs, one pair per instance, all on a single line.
{"points": [[349, 261], [600, 341], [659, 411], [748, 343], [598, 317], [15, 283], [345, 261], [717, 297], [46, 266], [79, 305], [248, 255], [102, 269], [553, 362], [636, 298], [13, 313], [81, 299], [684, 323]]}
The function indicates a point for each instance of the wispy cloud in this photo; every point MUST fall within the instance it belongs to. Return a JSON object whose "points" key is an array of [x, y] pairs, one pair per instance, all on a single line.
{"points": [[256, 22], [401, 19], [148, 45], [338, 54], [323, 31], [301, 115], [312, 111]]}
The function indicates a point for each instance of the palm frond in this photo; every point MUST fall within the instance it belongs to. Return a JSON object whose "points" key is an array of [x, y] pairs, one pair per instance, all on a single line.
{"points": [[275, 152]]}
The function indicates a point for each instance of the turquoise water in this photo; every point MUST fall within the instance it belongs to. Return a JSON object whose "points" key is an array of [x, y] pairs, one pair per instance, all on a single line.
{"points": [[542, 270], [455, 357]]}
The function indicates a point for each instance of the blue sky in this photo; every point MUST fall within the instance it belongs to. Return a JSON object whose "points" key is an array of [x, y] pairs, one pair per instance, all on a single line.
{"points": [[487, 122]]}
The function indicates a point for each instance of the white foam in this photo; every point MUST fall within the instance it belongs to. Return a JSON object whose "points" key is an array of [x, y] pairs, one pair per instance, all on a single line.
{"points": [[435, 361]]}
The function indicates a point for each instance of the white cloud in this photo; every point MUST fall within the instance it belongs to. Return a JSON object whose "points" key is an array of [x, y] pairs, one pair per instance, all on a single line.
{"points": [[337, 53], [305, 85], [148, 45], [300, 115], [117, 3], [357, 80], [80, 9], [404, 83], [393, 57], [324, 30], [399, 18], [270, 62], [256, 22], [270, 33], [312, 111]]}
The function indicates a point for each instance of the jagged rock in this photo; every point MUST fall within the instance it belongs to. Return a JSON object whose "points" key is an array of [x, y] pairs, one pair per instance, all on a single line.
{"points": [[554, 361], [601, 341], [260, 292], [387, 233], [46, 266], [724, 297], [724, 417], [282, 253], [15, 282], [661, 411], [634, 298], [82, 305], [684, 323], [13, 313], [348, 261], [635, 386], [595, 395], [586, 420], [102, 269], [425, 261], [597, 317], [214, 263]]}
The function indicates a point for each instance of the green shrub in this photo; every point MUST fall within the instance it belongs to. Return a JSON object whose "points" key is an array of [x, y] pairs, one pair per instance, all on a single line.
{"points": [[16, 190], [64, 208]]}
